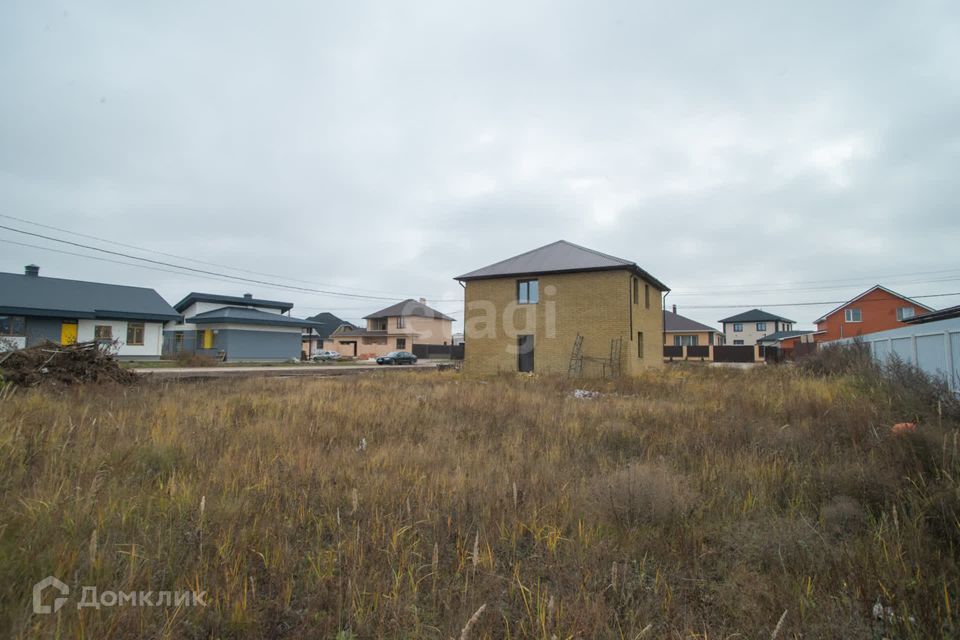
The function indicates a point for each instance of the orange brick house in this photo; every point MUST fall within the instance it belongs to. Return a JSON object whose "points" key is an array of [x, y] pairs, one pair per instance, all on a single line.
{"points": [[397, 328], [876, 309]]}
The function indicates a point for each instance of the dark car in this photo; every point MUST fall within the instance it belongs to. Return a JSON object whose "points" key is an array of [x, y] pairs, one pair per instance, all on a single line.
{"points": [[398, 357]]}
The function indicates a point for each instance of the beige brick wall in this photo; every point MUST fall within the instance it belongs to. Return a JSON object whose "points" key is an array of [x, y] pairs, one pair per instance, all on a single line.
{"points": [[598, 305]]}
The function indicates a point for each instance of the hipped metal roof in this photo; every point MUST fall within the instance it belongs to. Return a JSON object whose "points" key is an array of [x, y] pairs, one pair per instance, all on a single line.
{"points": [[558, 257], [408, 308], [673, 322], [193, 297], [244, 315], [756, 315]]}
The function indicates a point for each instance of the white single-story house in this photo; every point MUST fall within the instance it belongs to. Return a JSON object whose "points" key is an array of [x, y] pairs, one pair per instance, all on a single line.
{"points": [[235, 329], [35, 309]]}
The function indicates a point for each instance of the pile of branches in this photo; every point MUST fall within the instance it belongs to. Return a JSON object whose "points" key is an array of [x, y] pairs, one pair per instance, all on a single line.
{"points": [[50, 364]]}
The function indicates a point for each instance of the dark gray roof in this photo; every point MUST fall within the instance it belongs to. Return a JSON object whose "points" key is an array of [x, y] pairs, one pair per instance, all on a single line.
{"points": [[408, 307], [56, 297], [193, 296], [558, 257], [676, 322], [756, 315], [783, 335], [942, 314], [326, 323], [244, 315]]}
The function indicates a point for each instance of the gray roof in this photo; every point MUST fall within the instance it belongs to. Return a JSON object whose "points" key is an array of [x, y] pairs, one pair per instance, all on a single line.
{"points": [[783, 335], [55, 297], [942, 314], [326, 323], [676, 322], [559, 257], [756, 315], [408, 307], [244, 315], [193, 296]]}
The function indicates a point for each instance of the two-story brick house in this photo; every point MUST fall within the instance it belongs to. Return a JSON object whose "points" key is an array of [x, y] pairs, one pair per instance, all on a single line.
{"points": [[397, 328], [749, 327], [876, 309], [525, 313]]}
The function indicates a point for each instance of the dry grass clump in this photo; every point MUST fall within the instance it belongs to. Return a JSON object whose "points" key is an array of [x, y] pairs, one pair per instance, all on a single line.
{"points": [[640, 494], [687, 503]]}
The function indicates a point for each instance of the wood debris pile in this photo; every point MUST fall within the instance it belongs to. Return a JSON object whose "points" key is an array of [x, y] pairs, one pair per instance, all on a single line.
{"points": [[50, 364]]}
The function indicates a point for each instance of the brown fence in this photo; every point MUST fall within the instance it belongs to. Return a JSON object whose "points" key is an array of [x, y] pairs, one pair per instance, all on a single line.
{"points": [[733, 353], [672, 351], [698, 351], [426, 351]]}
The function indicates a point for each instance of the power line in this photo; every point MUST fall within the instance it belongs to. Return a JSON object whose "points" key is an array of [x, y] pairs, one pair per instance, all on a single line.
{"points": [[809, 304], [180, 257], [790, 286], [204, 271]]}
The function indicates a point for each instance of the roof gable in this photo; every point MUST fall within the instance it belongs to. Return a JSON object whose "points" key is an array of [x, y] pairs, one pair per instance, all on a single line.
{"points": [[326, 323], [408, 307], [875, 287], [39, 295], [558, 257]]}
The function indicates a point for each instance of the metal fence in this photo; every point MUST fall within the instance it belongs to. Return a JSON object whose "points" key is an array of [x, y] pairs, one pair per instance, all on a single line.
{"points": [[933, 347]]}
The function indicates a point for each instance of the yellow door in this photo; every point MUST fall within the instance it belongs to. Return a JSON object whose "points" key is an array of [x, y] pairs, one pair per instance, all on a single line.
{"points": [[68, 332], [208, 339]]}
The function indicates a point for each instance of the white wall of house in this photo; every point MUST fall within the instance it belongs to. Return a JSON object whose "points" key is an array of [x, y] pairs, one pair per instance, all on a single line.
{"points": [[203, 307], [152, 336], [751, 333]]}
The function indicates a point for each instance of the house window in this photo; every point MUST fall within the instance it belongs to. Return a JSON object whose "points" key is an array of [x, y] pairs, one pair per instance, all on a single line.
{"points": [[178, 342], [135, 333], [401, 322], [853, 315], [761, 326], [378, 324], [640, 344], [646, 295], [905, 312], [12, 326], [528, 291], [738, 342], [636, 291], [737, 327], [102, 332], [686, 341], [401, 343]]}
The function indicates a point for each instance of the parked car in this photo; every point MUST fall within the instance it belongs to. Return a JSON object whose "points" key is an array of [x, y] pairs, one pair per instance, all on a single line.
{"points": [[325, 355], [398, 357]]}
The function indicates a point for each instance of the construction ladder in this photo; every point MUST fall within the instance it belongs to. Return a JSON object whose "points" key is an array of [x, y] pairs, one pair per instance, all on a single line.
{"points": [[576, 358], [616, 346]]}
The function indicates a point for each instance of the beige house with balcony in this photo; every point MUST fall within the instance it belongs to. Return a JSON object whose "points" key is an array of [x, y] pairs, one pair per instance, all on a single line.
{"points": [[397, 328]]}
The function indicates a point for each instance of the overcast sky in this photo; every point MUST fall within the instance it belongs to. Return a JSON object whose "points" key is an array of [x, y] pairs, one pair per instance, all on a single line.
{"points": [[743, 154]]}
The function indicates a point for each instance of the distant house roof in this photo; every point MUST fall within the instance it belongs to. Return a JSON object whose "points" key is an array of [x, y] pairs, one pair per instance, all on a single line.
{"points": [[673, 322], [245, 300], [755, 315], [868, 291], [408, 307], [558, 257], [942, 314], [56, 297], [245, 315], [784, 335], [326, 323]]}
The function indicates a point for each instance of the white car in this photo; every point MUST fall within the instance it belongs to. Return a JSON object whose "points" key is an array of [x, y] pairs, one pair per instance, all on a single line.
{"points": [[325, 355]]}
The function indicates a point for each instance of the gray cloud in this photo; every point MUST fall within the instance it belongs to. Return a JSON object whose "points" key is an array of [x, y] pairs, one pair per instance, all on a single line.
{"points": [[383, 147]]}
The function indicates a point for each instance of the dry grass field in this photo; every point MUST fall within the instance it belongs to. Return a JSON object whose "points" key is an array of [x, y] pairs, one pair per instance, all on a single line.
{"points": [[692, 503]]}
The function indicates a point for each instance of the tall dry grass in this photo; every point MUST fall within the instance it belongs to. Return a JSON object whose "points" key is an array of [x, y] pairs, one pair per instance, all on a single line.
{"points": [[690, 503]]}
